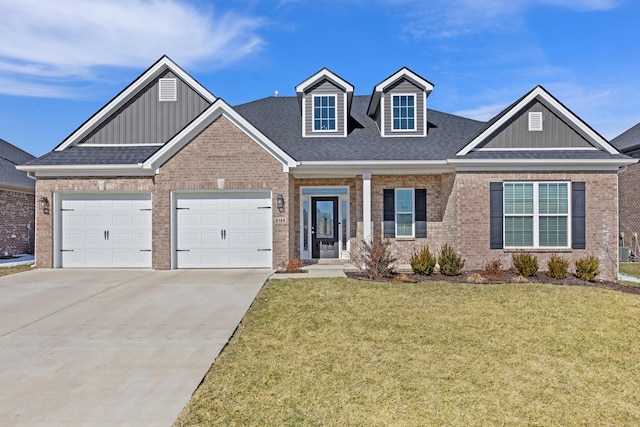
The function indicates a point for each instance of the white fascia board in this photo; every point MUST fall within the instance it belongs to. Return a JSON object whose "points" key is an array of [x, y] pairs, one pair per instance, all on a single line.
{"points": [[208, 116], [382, 167], [537, 164], [324, 73], [406, 73], [17, 188], [539, 92], [86, 170], [124, 96]]}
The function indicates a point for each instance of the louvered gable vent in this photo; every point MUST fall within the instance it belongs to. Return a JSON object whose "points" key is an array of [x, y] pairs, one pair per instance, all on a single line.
{"points": [[535, 121], [168, 89]]}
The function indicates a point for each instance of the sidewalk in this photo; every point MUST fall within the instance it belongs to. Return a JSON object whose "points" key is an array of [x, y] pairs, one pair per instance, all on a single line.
{"points": [[18, 260], [334, 269]]}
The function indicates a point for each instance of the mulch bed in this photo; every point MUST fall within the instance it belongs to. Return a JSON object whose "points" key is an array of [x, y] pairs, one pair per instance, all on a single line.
{"points": [[478, 277]]}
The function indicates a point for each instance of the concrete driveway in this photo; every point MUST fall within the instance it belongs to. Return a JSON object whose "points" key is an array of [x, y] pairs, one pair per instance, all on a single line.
{"points": [[113, 347]]}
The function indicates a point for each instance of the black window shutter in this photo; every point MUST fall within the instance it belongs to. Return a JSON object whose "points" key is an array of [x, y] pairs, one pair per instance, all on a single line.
{"points": [[578, 227], [389, 216], [495, 222], [421, 212]]}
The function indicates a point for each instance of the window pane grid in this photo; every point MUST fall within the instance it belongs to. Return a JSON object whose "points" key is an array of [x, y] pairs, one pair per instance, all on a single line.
{"points": [[536, 214], [403, 112], [404, 212], [324, 113]]}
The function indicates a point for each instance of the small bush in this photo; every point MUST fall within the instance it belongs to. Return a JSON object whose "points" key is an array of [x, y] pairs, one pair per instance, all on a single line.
{"points": [[374, 259], [558, 266], [423, 262], [292, 265], [450, 262], [525, 264], [587, 268], [493, 268]]}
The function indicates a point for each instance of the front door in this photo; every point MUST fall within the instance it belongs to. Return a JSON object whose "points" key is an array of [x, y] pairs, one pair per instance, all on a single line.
{"points": [[324, 227]]}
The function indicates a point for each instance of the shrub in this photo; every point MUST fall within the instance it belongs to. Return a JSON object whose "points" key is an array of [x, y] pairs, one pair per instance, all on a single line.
{"points": [[493, 268], [292, 265], [423, 262], [374, 259], [450, 262], [525, 264], [587, 268], [558, 266]]}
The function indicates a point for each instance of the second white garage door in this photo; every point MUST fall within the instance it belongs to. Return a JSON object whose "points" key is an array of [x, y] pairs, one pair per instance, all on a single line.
{"points": [[223, 230]]}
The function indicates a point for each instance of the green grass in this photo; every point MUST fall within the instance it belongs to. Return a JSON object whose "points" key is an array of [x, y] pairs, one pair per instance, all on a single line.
{"points": [[5, 271], [339, 352], [630, 269]]}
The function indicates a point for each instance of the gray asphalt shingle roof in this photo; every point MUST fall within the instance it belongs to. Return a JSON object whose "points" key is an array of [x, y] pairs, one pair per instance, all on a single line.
{"points": [[279, 118], [10, 156], [87, 155], [628, 140]]}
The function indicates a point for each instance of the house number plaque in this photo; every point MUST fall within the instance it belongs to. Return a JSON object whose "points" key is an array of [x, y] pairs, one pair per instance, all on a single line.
{"points": [[280, 220]]}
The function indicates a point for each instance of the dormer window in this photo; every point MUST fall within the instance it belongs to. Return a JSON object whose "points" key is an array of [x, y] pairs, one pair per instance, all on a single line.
{"points": [[404, 112], [324, 113]]}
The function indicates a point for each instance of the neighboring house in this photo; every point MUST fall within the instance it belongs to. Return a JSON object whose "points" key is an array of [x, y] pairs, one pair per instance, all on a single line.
{"points": [[629, 182], [167, 175], [17, 207]]}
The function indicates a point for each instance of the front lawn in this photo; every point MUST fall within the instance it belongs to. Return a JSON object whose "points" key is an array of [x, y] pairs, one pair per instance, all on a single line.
{"points": [[630, 269], [5, 271], [340, 352]]}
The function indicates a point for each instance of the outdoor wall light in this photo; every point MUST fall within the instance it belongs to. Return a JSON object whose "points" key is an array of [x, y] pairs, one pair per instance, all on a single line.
{"points": [[280, 202], [44, 205]]}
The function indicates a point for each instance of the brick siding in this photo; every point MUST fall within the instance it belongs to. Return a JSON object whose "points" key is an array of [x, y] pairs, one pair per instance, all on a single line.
{"points": [[629, 182], [220, 152], [17, 222]]}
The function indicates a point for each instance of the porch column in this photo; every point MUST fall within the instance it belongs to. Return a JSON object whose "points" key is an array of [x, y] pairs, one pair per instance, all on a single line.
{"points": [[366, 206]]}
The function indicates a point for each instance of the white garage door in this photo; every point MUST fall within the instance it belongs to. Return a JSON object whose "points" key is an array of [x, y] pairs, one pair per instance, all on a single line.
{"points": [[106, 230], [223, 230]]}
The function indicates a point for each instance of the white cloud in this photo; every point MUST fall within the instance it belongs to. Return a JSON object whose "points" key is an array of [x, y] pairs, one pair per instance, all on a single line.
{"points": [[455, 18], [483, 112], [69, 39]]}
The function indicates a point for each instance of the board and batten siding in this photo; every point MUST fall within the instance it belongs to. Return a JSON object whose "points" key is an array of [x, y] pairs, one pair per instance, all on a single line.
{"points": [[146, 120], [403, 87], [555, 133], [324, 88]]}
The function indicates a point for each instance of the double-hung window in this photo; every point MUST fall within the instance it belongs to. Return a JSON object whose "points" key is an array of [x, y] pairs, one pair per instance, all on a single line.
{"points": [[405, 212], [404, 112], [324, 113], [536, 214]]}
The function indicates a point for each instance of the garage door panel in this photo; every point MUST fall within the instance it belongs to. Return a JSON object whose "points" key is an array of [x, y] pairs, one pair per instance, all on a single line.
{"points": [[230, 228], [106, 230]]}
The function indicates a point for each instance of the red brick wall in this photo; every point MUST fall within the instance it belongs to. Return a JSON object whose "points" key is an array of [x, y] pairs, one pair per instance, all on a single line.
{"points": [[17, 213]]}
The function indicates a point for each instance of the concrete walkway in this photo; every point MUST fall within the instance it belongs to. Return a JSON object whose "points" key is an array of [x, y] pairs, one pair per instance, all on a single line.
{"points": [[113, 347], [622, 276]]}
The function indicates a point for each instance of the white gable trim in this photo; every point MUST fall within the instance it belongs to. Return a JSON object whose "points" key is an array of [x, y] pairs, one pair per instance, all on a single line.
{"points": [[153, 72], [208, 116], [545, 97], [322, 74], [404, 72]]}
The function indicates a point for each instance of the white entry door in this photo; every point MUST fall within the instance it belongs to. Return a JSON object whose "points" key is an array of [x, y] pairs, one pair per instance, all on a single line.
{"points": [[223, 230], [106, 230]]}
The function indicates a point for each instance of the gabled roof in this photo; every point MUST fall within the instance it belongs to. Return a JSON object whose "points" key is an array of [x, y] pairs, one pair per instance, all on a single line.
{"points": [[163, 64], [403, 73], [538, 93], [628, 140], [10, 157], [144, 160], [324, 74]]}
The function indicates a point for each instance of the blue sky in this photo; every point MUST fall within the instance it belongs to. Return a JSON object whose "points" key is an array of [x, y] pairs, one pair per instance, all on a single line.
{"points": [[62, 60]]}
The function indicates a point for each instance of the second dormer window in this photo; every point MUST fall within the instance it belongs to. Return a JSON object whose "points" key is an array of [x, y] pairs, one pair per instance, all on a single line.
{"points": [[404, 112], [324, 113]]}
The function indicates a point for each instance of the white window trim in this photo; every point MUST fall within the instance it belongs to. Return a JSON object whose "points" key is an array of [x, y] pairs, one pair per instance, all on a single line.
{"points": [[413, 213], [169, 85], [415, 112], [537, 215], [535, 121], [313, 113]]}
